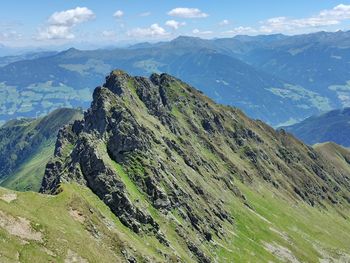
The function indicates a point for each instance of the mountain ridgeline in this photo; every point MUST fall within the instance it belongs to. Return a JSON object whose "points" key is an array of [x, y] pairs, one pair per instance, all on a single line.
{"points": [[278, 79], [173, 165], [332, 126]]}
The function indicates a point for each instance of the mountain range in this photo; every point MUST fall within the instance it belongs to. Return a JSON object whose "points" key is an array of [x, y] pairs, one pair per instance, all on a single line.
{"points": [[332, 126], [276, 78]]}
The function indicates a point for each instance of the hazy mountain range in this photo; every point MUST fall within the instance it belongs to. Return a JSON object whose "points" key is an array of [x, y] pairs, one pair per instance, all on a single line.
{"points": [[276, 78], [332, 126]]}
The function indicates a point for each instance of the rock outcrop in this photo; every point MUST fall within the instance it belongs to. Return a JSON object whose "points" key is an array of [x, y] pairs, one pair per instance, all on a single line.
{"points": [[156, 146]]}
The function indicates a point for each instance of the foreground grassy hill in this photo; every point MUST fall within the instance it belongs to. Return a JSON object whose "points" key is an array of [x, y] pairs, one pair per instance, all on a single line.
{"points": [[27, 145], [76, 226]]}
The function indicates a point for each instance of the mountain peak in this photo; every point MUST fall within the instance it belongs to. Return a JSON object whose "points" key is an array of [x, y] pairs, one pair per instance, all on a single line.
{"points": [[152, 88], [185, 38], [71, 51], [189, 41], [154, 147]]}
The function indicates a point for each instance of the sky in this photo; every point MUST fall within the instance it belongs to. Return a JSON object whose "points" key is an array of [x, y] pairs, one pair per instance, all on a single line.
{"points": [[40, 23]]}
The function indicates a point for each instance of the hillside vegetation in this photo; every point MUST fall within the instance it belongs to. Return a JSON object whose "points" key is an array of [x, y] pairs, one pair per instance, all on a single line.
{"points": [[27, 145], [202, 180], [76, 226]]}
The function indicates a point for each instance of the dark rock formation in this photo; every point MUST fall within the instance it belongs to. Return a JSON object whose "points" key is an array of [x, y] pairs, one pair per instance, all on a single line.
{"points": [[158, 146]]}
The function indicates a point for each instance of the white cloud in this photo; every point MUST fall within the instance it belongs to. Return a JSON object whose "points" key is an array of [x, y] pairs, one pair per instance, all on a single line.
{"points": [[118, 14], [153, 31], [56, 32], [174, 24], [109, 34], [241, 30], [328, 17], [145, 14], [185, 12], [340, 12], [71, 17], [224, 22], [196, 31], [282, 24], [61, 23], [10, 35]]}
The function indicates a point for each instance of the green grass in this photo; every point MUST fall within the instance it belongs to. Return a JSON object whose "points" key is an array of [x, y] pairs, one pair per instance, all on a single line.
{"points": [[307, 232], [27, 145], [296, 229], [131, 188], [29, 175], [99, 238]]}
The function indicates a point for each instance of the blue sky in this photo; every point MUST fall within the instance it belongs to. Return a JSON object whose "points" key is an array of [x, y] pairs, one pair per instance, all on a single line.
{"points": [[107, 22]]}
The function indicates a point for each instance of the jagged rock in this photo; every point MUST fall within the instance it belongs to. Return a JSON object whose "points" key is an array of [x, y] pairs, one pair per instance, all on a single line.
{"points": [[157, 146]]}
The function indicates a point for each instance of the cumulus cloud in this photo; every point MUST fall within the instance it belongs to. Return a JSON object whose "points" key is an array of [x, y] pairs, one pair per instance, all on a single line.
{"points": [[328, 17], [282, 24], [339, 12], [144, 14], [72, 17], [10, 35], [118, 14], [153, 31], [185, 12], [56, 32], [196, 31], [61, 23], [109, 34], [241, 30], [224, 22], [174, 24]]}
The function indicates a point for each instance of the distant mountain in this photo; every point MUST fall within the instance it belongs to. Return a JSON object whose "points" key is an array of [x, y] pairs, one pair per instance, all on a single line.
{"points": [[26, 56], [4, 51], [307, 74], [333, 126], [38, 86], [319, 62], [27, 145], [261, 38]]}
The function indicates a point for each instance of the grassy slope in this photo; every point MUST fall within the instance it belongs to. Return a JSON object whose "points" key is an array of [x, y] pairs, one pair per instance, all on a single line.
{"points": [[290, 228], [95, 234], [308, 233], [299, 232], [35, 143], [278, 228], [28, 175], [338, 155]]}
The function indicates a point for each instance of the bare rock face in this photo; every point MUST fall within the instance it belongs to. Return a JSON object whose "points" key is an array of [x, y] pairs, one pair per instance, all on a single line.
{"points": [[158, 146]]}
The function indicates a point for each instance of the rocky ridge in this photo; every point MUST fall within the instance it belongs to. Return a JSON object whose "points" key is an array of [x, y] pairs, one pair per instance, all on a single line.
{"points": [[155, 147]]}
